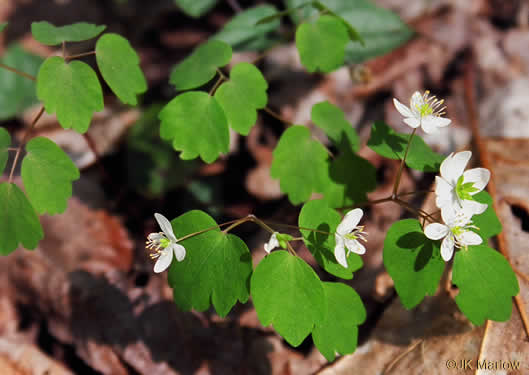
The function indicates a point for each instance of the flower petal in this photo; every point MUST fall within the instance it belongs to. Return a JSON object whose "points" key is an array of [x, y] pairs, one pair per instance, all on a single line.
{"points": [[447, 248], [444, 192], [272, 243], [478, 176], [416, 101], [339, 251], [166, 226], [413, 122], [436, 231], [476, 208], [179, 251], [431, 124], [454, 165], [355, 246], [403, 110], [164, 261], [469, 238], [350, 221]]}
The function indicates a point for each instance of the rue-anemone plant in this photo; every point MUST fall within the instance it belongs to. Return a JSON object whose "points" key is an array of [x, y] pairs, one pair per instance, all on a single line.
{"points": [[209, 266]]}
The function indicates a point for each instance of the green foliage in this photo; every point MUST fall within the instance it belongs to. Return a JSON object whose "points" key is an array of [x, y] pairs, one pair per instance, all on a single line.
{"points": [[119, 66], [316, 214], [2, 26], [338, 333], [20, 223], [48, 173], [5, 142], [51, 35], [488, 223], [288, 294], [300, 163], [197, 126], [17, 93], [392, 145], [413, 261], [321, 44], [242, 96], [195, 8], [332, 120], [71, 90], [486, 284], [216, 269], [242, 33], [201, 66]]}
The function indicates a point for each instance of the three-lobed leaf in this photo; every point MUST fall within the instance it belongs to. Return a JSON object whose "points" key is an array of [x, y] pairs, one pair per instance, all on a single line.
{"points": [[300, 164], [5, 141], [413, 261], [195, 8], [51, 35], [317, 214], [488, 223], [48, 173], [71, 90], [242, 96], [20, 223], [216, 269], [119, 65], [201, 66], [196, 125], [288, 294], [486, 284], [338, 333], [332, 120], [390, 144]]}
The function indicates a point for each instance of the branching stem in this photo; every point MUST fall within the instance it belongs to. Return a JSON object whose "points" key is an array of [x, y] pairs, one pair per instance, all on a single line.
{"points": [[399, 173]]}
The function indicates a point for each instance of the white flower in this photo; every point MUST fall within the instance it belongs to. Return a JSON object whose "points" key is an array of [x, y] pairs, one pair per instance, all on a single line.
{"points": [[424, 111], [347, 234], [272, 243], [456, 232], [454, 188], [164, 244]]}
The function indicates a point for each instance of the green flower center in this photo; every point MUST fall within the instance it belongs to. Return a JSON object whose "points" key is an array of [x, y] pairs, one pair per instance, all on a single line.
{"points": [[425, 110], [164, 242], [464, 190], [351, 236], [457, 231]]}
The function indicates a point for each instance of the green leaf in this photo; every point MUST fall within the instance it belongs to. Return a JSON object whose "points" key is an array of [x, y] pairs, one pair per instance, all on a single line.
{"points": [[197, 126], [216, 269], [321, 44], [48, 173], [20, 223], [195, 8], [5, 142], [353, 34], [71, 90], [316, 214], [201, 66], [338, 333], [283, 13], [488, 223], [300, 163], [2, 26], [119, 66], [51, 35], [288, 294], [332, 120], [390, 144], [17, 93], [242, 33], [413, 261], [242, 96], [486, 284]]}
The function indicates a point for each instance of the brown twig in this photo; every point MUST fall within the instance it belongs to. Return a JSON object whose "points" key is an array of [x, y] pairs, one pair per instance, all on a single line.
{"points": [[80, 55], [276, 116], [16, 71]]}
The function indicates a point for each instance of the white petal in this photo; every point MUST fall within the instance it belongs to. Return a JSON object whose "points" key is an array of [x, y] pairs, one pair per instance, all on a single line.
{"points": [[447, 248], [431, 124], [355, 246], [435, 231], [163, 261], [453, 166], [469, 238], [479, 176], [350, 221], [403, 110], [413, 122], [166, 226], [444, 192], [416, 101], [272, 243], [339, 251], [475, 207], [179, 251]]}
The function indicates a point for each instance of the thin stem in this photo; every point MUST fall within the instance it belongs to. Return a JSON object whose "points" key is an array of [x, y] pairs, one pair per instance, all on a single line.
{"points": [[399, 174], [80, 55], [16, 71], [236, 224], [415, 192], [217, 84], [292, 226], [24, 140], [222, 74], [206, 230], [276, 116]]}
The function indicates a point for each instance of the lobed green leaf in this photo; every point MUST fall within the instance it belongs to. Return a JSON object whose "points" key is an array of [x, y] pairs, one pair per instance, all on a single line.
{"points": [[216, 269], [288, 294], [5, 142], [242, 96], [71, 90], [197, 126], [48, 173], [195, 8], [413, 261], [486, 284], [51, 35], [332, 120], [201, 66], [119, 66], [20, 223], [488, 223]]}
